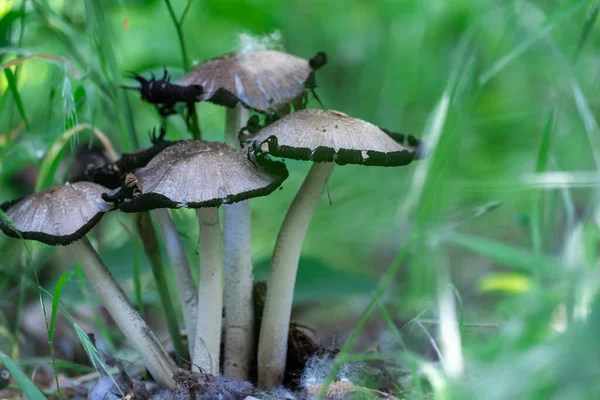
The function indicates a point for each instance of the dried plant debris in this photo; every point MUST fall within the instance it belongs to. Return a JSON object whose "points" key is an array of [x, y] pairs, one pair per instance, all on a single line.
{"points": [[349, 383], [119, 386], [200, 385]]}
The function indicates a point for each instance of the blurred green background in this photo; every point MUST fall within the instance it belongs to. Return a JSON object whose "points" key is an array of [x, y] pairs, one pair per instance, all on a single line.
{"points": [[506, 89]]}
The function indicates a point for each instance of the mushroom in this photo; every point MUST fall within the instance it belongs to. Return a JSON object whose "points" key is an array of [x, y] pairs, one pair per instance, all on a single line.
{"points": [[62, 216], [110, 175], [201, 175], [327, 138], [266, 81]]}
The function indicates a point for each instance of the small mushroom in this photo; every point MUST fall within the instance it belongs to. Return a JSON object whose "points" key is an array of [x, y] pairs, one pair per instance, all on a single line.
{"points": [[267, 81], [326, 138], [62, 216], [202, 175]]}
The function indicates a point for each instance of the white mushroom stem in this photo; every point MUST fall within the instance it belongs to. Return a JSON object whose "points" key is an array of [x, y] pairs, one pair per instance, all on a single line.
{"points": [[207, 340], [135, 329], [239, 311], [181, 270], [273, 340]]}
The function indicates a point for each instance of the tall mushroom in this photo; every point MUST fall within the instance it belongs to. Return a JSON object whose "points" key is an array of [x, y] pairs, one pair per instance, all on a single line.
{"points": [[62, 216], [327, 138], [201, 175], [267, 81]]}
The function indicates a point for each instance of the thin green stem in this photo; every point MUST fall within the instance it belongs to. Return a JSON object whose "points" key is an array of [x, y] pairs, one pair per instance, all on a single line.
{"points": [[194, 124], [150, 242], [186, 62]]}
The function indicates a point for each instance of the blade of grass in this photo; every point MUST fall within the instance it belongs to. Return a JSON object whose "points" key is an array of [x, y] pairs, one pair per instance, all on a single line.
{"points": [[52, 59], [380, 290], [94, 355], [103, 41], [588, 24], [194, 123], [137, 282], [25, 384], [177, 23], [148, 235], [64, 278], [12, 86], [78, 368], [43, 11], [410, 363], [518, 258], [449, 327], [557, 18], [537, 208], [29, 262]]}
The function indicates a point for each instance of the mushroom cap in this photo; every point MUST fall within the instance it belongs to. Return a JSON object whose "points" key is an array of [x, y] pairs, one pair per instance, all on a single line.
{"points": [[261, 80], [56, 216], [332, 136], [195, 174]]}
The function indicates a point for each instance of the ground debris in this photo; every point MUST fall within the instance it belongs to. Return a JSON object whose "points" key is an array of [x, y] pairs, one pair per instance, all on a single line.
{"points": [[200, 385], [117, 387]]}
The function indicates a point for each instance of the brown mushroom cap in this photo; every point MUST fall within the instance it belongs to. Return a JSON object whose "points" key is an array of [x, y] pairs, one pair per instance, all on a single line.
{"points": [[60, 215], [332, 136], [195, 173], [261, 80]]}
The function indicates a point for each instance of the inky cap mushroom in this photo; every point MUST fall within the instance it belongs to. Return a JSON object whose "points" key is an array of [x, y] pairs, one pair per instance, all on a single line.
{"points": [[201, 175], [327, 138], [60, 215], [196, 174], [63, 215], [332, 136], [263, 80]]}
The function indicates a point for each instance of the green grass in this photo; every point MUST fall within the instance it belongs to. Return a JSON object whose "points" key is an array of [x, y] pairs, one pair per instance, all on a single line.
{"points": [[469, 245]]}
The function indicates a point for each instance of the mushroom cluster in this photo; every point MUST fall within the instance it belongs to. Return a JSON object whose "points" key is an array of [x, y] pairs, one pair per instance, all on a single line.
{"points": [[205, 176]]}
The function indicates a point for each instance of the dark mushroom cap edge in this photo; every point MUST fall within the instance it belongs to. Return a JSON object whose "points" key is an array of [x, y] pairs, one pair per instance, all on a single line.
{"points": [[51, 240]]}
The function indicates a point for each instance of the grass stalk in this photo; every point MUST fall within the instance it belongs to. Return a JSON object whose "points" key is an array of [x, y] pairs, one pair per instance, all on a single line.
{"points": [[149, 239]]}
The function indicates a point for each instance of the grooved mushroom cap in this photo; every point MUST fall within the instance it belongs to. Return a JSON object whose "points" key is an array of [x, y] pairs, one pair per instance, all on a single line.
{"points": [[195, 173], [60, 215], [326, 136], [261, 80]]}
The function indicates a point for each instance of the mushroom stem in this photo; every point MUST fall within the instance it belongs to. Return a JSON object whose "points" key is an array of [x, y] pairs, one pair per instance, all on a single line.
{"points": [[207, 340], [273, 339], [156, 358], [181, 269], [239, 312]]}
